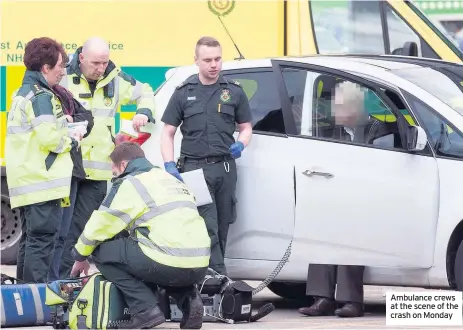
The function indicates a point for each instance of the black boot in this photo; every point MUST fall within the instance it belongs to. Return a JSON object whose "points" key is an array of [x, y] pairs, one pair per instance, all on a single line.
{"points": [[146, 319], [192, 310]]}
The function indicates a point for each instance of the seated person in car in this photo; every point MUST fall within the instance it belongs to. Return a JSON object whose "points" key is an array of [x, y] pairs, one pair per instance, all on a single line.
{"points": [[352, 120], [352, 124]]}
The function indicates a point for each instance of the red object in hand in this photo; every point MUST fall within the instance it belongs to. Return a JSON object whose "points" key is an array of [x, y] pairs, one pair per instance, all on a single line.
{"points": [[120, 138], [142, 137]]}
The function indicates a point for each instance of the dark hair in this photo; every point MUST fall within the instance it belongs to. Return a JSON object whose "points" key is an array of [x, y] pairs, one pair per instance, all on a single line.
{"points": [[126, 151], [207, 41], [41, 51]]}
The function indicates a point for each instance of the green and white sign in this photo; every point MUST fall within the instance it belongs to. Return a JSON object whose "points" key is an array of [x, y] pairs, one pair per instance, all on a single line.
{"points": [[432, 7]]}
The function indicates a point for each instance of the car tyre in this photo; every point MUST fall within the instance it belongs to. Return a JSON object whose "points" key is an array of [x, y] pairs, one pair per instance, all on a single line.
{"points": [[288, 290], [458, 271], [10, 228]]}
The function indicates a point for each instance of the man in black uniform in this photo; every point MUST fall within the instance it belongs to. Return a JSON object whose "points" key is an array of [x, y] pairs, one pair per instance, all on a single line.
{"points": [[209, 104]]}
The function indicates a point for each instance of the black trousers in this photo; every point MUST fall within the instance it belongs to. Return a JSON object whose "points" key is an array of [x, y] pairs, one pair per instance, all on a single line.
{"points": [[89, 196], [40, 224], [222, 212], [346, 281], [122, 262]]}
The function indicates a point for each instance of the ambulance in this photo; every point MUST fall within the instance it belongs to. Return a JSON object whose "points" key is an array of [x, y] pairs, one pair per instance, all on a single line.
{"points": [[147, 38], [447, 15]]}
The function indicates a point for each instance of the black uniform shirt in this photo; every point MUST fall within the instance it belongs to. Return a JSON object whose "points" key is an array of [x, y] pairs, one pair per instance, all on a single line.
{"points": [[208, 114]]}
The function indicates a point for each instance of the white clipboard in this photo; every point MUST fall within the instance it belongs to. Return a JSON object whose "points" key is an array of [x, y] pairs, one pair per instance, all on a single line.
{"points": [[197, 184], [127, 128]]}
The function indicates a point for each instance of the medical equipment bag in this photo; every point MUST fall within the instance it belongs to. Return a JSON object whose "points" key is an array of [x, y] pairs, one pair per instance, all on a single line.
{"points": [[23, 304]]}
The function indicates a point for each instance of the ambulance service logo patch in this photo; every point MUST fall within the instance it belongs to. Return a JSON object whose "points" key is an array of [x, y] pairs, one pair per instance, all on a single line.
{"points": [[107, 101], [225, 96], [221, 7]]}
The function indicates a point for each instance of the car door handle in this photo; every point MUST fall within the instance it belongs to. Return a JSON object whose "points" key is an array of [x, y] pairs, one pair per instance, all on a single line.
{"points": [[310, 173]]}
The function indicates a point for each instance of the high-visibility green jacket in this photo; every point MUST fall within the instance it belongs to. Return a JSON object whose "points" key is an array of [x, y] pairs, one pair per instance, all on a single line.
{"points": [[37, 148], [115, 88], [159, 212]]}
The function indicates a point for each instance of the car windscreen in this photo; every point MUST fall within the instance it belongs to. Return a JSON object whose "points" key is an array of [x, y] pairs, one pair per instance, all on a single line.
{"points": [[437, 84]]}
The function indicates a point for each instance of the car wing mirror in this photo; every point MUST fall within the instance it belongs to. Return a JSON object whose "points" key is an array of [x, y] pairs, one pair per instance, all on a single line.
{"points": [[416, 138]]}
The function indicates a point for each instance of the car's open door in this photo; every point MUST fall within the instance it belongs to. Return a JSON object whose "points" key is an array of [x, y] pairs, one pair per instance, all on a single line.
{"points": [[357, 203]]}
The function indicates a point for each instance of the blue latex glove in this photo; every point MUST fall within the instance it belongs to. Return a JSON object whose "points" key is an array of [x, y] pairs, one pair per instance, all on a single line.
{"points": [[172, 169], [236, 149]]}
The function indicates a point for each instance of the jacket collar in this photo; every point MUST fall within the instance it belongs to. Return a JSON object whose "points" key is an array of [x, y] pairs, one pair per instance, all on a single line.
{"points": [[194, 79], [136, 166], [74, 65], [35, 78]]}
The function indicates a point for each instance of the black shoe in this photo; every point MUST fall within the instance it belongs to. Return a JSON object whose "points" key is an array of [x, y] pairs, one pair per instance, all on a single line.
{"points": [[192, 311], [321, 307], [146, 319], [350, 310]]}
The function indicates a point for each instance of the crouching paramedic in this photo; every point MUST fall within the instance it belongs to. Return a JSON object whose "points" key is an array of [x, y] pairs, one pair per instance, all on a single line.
{"points": [[168, 243]]}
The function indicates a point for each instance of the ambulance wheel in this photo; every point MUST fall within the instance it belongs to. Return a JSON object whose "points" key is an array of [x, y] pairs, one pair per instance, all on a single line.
{"points": [[11, 228], [458, 271], [288, 290]]}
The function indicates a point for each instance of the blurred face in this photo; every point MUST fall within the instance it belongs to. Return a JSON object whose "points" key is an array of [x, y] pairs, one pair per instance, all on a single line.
{"points": [[209, 61], [118, 170], [347, 114], [93, 63], [54, 75]]}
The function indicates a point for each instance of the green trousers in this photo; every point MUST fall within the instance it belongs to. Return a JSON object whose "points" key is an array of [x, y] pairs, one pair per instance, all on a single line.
{"points": [[122, 262], [40, 224]]}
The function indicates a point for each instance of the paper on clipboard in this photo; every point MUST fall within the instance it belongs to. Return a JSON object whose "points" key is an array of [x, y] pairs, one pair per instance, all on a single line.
{"points": [[197, 184], [77, 127], [127, 128]]}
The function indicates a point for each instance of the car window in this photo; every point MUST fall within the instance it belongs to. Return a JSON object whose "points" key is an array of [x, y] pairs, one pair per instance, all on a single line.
{"points": [[399, 33], [261, 89], [332, 108], [448, 41], [350, 26], [347, 26], [445, 140]]}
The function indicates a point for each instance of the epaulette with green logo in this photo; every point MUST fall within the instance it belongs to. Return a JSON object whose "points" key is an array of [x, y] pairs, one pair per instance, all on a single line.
{"points": [[127, 78], [182, 84], [37, 89], [234, 82]]}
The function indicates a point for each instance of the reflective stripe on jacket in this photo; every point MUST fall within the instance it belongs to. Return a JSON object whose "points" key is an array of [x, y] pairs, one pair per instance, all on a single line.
{"points": [[114, 89], [37, 148], [160, 213]]}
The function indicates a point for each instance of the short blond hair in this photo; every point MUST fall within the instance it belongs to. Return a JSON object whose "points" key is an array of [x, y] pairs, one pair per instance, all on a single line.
{"points": [[206, 41]]}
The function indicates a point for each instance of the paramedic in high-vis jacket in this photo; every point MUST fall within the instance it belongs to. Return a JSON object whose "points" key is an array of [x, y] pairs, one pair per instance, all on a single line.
{"points": [[168, 243], [100, 86], [38, 157]]}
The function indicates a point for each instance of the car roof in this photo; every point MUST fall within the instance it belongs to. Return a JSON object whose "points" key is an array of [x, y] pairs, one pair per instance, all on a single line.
{"points": [[372, 65], [386, 62], [420, 61]]}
